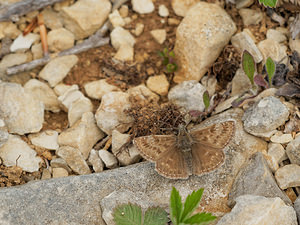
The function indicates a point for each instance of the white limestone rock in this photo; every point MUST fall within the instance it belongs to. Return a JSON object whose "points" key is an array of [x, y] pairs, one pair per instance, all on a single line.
{"points": [[200, 38], [45, 139], [96, 89], [142, 6], [44, 93], [60, 39], [21, 111], [83, 135], [17, 152], [85, 16], [58, 68], [110, 115], [23, 43]]}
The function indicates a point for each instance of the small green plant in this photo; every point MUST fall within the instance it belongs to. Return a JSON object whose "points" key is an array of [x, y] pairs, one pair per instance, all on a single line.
{"points": [[206, 100], [168, 60], [129, 214], [268, 3], [182, 214], [248, 65], [270, 68]]}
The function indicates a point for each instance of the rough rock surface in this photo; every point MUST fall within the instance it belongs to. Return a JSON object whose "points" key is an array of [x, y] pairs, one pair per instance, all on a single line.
{"points": [[200, 38], [253, 210], [20, 110]]}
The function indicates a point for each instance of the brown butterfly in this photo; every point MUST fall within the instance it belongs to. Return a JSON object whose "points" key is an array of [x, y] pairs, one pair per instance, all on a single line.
{"points": [[195, 151]]}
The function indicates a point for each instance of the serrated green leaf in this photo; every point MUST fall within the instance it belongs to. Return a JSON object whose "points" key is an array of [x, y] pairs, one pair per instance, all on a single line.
{"points": [[191, 203], [128, 214], [157, 216], [270, 67], [175, 206], [248, 65], [269, 3], [200, 219], [206, 99]]}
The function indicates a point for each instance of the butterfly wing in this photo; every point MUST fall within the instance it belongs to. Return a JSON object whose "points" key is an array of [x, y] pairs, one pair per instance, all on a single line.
{"points": [[206, 159], [173, 165], [207, 151], [216, 136], [152, 147], [162, 150]]}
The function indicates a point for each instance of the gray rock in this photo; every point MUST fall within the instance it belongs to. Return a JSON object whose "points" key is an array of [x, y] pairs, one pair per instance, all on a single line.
{"points": [[200, 38], [60, 39], [111, 113], [288, 176], [277, 151], [251, 16], [243, 41], [95, 161], [3, 133], [271, 48], [56, 70], [252, 210], [96, 89], [108, 158], [142, 6], [293, 151], [181, 7], [297, 208], [77, 195], [46, 139], [119, 36], [240, 83], [60, 162], [23, 43], [188, 95], [265, 116], [276, 35], [15, 151], [83, 23], [83, 135], [256, 179], [44, 93], [123, 197], [74, 159], [21, 111]]}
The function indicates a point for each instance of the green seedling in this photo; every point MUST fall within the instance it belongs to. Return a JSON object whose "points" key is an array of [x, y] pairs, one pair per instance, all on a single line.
{"points": [[129, 214], [182, 214], [168, 60], [271, 68], [248, 65], [206, 99], [268, 3]]}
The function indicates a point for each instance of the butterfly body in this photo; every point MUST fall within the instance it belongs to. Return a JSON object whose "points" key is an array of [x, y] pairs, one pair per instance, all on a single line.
{"points": [[195, 151]]}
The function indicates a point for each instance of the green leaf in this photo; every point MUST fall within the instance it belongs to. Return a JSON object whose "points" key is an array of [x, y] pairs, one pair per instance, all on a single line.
{"points": [[172, 54], [165, 51], [175, 206], [270, 67], [157, 216], [161, 54], [191, 203], [171, 68], [128, 214], [200, 218], [248, 65], [206, 99], [269, 3]]}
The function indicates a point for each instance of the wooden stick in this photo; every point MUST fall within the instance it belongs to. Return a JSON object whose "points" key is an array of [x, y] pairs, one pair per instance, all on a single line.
{"points": [[14, 11], [87, 44]]}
